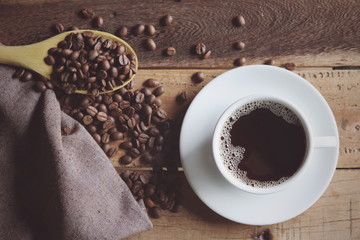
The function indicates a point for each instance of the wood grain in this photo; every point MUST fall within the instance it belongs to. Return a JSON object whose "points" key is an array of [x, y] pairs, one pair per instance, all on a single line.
{"points": [[308, 33], [336, 215], [341, 89]]}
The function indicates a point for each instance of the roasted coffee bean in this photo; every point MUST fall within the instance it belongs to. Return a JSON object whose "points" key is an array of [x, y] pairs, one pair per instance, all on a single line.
{"points": [[116, 112], [58, 28], [27, 76], [139, 29], [87, 13], [126, 145], [142, 148], [151, 82], [136, 187], [269, 62], [143, 137], [151, 142], [96, 137], [98, 22], [290, 66], [146, 110], [149, 44], [95, 92], [240, 61], [113, 105], [18, 73], [161, 113], [102, 108], [107, 99], [123, 60], [124, 104], [92, 111], [133, 152], [147, 158], [181, 98], [150, 29], [170, 51], [158, 91], [91, 128], [106, 148], [87, 120], [112, 130], [105, 138], [149, 203], [108, 124], [123, 118], [102, 131], [139, 97], [126, 159], [123, 128], [122, 31], [101, 116], [150, 99], [39, 86], [143, 179], [49, 60], [166, 20], [135, 143], [117, 98], [131, 123], [239, 21], [200, 49], [116, 136], [143, 126], [239, 45], [154, 212], [72, 28], [159, 140], [112, 152], [198, 77], [207, 55]]}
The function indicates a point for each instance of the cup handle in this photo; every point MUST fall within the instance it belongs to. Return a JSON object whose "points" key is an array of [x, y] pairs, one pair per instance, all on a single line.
{"points": [[325, 142]]}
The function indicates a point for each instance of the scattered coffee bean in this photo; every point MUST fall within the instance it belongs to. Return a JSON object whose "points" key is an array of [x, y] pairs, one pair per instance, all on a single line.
{"points": [[126, 145], [290, 66], [239, 21], [166, 20], [149, 203], [122, 31], [207, 54], [151, 82], [18, 73], [200, 49], [39, 86], [133, 152], [181, 98], [116, 136], [92, 111], [58, 28], [101, 116], [269, 62], [170, 51], [158, 91], [154, 212], [149, 44], [198, 77], [49, 60], [150, 29], [87, 13], [105, 138], [98, 22], [87, 120], [96, 137], [112, 152], [126, 159], [239, 45], [240, 61], [139, 29]]}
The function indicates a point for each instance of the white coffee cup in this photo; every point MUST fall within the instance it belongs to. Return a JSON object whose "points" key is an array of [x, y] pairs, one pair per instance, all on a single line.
{"points": [[312, 141]]}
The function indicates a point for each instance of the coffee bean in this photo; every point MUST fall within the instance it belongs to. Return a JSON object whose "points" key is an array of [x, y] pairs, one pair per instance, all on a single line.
{"points": [[72, 28], [207, 55], [133, 152], [123, 118], [91, 128], [49, 60], [149, 44], [151, 82], [154, 212], [131, 123], [153, 131], [101, 116], [135, 143], [95, 92], [112, 130], [159, 140], [123, 60], [143, 179], [170, 51], [239, 45], [290, 66], [92, 111], [98, 22], [39, 86], [87, 120], [27, 76], [158, 91], [240, 61], [102, 108], [122, 31], [269, 62], [18, 73], [181, 98], [58, 28], [143, 137], [151, 142], [113, 105], [200, 48], [126, 159], [198, 77], [142, 148], [108, 124], [239, 21], [107, 99], [105, 138], [116, 113], [149, 203], [87, 13], [126, 145], [112, 152], [139, 29], [150, 29], [104, 65], [139, 97], [150, 99], [96, 137], [147, 158], [166, 20], [161, 113], [116, 136]]}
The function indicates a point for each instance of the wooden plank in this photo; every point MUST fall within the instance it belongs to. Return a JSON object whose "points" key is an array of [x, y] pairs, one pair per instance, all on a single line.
{"points": [[334, 216], [308, 33], [341, 88]]}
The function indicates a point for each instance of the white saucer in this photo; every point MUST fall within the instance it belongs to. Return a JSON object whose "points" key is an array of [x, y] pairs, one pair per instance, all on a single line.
{"points": [[198, 162]]}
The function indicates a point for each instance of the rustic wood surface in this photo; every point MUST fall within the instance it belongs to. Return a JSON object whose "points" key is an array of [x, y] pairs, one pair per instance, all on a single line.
{"points": [[321, 37]]}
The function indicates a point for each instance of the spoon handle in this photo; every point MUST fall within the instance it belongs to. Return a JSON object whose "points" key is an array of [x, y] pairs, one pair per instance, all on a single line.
{"points": [[27, 56]]}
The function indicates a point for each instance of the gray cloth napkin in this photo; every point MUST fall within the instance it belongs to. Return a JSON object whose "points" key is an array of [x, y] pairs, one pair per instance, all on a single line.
{"points": [[53, 186]]}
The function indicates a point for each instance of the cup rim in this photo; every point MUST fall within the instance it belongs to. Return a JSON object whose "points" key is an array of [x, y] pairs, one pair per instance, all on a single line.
{"points": [[216, 138]]}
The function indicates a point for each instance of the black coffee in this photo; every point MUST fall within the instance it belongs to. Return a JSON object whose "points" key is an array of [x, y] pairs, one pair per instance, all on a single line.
{"points": [[263, 143]]}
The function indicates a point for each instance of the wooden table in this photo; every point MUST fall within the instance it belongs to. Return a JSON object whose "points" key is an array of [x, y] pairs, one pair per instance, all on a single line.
{"points": [[320, 37]]}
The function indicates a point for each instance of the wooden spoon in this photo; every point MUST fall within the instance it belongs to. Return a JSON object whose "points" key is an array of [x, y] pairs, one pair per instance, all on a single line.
{"points": [[32, 56]]}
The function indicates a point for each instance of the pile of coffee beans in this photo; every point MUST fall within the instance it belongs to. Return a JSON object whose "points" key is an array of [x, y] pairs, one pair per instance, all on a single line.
{"points": [[83, 61]]}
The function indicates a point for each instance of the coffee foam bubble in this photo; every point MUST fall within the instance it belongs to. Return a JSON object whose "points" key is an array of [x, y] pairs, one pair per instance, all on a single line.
{"points": [[232, 155]]}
